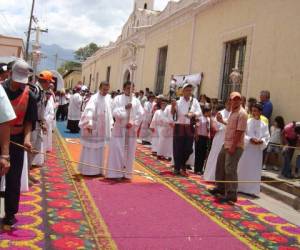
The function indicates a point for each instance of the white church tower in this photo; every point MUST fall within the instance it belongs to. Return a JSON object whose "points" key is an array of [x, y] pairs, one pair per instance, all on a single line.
{"points": [[144, 4]]}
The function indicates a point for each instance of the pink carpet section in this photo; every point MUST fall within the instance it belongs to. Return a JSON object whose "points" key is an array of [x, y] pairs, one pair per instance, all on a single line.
{"points": [[150, 216]]}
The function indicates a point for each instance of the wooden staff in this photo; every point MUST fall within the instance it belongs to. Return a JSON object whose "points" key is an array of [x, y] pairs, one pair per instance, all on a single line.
{"points": [[126, 151]]}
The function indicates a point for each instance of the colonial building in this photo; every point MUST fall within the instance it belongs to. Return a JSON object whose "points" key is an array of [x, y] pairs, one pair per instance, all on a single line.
{"points": [[72, 77], [11, 46], [259, 38]]}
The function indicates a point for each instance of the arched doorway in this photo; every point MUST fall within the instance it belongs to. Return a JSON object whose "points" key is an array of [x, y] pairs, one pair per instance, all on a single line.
{"points": [[127, 76]]}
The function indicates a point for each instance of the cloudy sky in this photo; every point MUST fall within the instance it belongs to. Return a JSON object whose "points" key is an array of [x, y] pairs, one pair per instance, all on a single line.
{"points": [[71, 23]]}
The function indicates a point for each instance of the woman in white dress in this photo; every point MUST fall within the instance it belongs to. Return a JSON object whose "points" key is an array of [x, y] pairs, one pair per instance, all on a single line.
{"points": [[218, 141], [250, 165]]}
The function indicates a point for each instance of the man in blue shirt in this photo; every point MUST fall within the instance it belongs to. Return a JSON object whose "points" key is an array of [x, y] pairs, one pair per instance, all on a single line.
{"points": [[267, 104]]}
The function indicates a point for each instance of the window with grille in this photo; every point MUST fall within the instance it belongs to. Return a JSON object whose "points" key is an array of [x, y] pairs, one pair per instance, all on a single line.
{"points": [[108, 73], [97, 82], [161, 69], [234, 59]]}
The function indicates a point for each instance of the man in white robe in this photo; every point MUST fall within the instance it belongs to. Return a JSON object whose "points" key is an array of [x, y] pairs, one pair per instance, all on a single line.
{"points": [[96, 123], [74, 112], [250, 165], [218, 141], [128, 113]]}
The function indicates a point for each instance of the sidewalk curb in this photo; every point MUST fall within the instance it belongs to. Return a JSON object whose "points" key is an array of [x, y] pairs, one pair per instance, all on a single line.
{"points": [[278, 194]]}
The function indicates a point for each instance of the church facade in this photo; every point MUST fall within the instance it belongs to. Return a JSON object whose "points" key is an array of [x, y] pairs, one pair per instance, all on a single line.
{"points": [[258, 38]]}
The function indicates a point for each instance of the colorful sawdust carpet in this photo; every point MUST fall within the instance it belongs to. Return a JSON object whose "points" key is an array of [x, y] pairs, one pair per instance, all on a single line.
{"points": [[263, 229], [58, 213]]}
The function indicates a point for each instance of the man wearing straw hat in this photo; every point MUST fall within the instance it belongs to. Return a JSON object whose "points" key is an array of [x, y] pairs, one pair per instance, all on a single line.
{"points": [[128, 113]]}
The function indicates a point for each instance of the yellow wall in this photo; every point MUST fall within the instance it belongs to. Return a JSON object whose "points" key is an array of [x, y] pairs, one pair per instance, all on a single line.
{"points": [[272, 55], [178, 39], [111, 59], [72, 79]]}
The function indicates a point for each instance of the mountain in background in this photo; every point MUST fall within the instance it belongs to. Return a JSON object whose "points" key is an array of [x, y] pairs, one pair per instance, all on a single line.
{"points": [[50, 52]]}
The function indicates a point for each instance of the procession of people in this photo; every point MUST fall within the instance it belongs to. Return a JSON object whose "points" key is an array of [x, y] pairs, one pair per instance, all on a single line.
{"points": [[225, 143]]}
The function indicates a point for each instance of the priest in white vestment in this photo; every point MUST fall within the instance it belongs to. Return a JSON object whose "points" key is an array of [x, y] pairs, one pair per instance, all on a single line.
{"points": [[250, 165], [96, 124], [128, 113], [218, 141]]}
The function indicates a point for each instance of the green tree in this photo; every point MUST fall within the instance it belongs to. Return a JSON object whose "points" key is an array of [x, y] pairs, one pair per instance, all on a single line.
{"points": [[68, 65], [84, 52]]}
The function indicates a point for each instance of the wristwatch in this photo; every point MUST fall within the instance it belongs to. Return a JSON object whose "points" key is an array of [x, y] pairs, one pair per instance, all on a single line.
{"points": [[5, 157]]}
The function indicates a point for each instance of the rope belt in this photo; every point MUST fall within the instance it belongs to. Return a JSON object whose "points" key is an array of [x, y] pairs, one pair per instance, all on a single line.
{"points": [[138, 173]]}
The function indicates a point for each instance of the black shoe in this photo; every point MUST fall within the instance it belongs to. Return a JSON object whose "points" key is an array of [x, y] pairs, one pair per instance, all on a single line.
{"points": [[227, 200], [188, 167], [214, 191], [176, 172], [9, 221]]}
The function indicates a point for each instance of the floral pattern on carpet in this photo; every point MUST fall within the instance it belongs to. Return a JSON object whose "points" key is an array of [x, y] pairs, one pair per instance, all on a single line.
{"points": [[29, 230], [261, 228], [57, 213]]}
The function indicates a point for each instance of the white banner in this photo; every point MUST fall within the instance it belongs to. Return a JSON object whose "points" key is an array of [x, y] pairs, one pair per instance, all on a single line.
{"points": [[194, 79]]}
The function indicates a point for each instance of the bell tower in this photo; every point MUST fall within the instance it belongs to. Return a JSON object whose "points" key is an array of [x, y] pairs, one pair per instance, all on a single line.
{"points": [[144, 4]]}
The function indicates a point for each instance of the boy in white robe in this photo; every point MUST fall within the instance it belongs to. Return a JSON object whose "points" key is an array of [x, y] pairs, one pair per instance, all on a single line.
{"points": [[218, 141], [154, 134], [96, 124], [128, 113], [250, 165], [161, 125], [145, 130], [48, 117]]}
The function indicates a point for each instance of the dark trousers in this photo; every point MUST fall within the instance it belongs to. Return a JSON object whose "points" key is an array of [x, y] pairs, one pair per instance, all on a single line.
{"points": [[182, 145], [288, 156], [13, 177], [59, 113], [227, 171], [65, 112], [201, 146]]}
